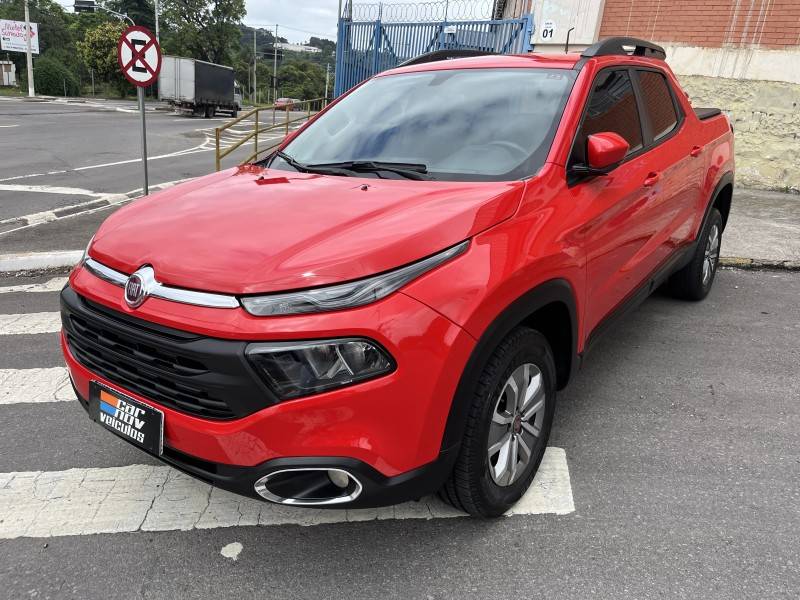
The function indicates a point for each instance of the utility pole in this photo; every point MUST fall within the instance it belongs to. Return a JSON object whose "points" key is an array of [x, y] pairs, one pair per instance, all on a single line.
{"points": [[327, 82], [275, 68], [158, 39], [29, 56], [255, 68]]}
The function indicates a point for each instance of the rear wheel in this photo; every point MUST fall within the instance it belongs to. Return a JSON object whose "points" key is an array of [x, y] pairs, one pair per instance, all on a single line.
{"points": [[694, 281], [507, 428]]}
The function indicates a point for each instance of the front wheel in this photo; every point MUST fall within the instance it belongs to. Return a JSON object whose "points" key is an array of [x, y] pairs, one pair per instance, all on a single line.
{"points": [[507, 428]]}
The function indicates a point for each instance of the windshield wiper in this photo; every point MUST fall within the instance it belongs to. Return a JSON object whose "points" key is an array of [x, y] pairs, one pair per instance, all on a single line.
{"points": [[321, 169], [417, 171]]}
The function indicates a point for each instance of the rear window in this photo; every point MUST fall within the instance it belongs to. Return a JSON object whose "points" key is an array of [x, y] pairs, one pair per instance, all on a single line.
{"points": [[658, 100]]}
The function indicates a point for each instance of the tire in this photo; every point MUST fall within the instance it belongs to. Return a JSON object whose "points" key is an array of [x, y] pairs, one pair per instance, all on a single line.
{"points": [[694, 281], [211, 110], [234, 113], [479, 485]]}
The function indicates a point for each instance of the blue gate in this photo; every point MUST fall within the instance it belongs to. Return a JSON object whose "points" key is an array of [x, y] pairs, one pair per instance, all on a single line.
{"points": [[366, 47]]}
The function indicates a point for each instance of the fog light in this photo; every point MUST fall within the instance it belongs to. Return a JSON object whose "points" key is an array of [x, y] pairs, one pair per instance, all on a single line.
{"points": [[338, 478]]}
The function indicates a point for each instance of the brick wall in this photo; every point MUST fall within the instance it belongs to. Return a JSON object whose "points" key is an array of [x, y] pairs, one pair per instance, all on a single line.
{"points": [[709, 23]]}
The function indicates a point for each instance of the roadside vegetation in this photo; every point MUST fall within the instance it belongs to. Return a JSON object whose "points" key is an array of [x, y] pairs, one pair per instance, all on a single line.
{"points": [[78, 50]]}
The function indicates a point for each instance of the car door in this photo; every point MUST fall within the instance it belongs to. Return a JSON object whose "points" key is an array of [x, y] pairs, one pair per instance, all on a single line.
{"points": [[617, 209], [672, 160]]}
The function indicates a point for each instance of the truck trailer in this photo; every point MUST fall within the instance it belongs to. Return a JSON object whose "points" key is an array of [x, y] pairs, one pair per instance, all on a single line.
{"points": [[197, 87]]}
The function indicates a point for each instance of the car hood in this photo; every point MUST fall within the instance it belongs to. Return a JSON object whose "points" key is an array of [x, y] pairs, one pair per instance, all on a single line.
{"points": [[250, 230]]}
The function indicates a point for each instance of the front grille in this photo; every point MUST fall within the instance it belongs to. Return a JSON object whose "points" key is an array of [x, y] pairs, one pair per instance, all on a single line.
{"points": [[200, 376]]}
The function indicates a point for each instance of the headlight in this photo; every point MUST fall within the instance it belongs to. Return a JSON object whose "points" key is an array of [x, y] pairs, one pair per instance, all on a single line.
{"points": [[346, 295], [294, 369]]}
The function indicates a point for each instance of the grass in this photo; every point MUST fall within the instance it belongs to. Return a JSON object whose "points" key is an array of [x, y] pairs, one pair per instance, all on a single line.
{"points": [[11, 91]]}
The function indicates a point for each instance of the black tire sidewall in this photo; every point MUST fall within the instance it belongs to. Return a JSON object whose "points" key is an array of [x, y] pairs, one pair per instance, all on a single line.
{"points": [[530, 347]]}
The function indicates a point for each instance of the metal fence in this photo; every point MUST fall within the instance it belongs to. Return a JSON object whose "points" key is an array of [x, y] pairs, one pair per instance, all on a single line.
{"points": [[379, 42]]}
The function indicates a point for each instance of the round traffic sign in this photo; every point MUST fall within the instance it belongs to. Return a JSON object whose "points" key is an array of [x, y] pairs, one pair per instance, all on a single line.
{"points": [[139, 56]]}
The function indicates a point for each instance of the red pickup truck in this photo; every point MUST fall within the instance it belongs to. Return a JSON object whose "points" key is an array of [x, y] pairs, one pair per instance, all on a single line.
{"points": [[386, 306]]}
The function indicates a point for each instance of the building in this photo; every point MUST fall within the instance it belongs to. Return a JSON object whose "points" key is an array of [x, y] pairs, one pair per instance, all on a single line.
{"points": [[8, 73], [740, 55], [297, 48]]}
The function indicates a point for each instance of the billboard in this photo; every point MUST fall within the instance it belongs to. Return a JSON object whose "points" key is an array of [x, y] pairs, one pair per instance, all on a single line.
{"points": [[12, 36]]}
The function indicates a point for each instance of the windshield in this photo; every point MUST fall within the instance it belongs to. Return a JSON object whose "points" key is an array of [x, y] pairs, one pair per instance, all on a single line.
{"points": [[460, 124]]}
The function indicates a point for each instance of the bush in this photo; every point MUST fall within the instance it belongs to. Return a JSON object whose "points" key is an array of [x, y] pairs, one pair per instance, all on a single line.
{"points": [[51, 78]]}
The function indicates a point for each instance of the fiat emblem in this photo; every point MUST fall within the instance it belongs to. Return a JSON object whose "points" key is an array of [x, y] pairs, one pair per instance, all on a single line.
{"points": [[138, 287]]}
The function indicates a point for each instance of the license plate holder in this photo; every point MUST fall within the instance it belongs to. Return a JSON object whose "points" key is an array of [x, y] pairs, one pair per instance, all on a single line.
{"points": [[134, 421]]}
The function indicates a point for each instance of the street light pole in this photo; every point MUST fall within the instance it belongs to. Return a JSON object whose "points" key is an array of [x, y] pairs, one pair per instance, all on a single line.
{"points": [[255, 69], [28, 55], [274, 73]]}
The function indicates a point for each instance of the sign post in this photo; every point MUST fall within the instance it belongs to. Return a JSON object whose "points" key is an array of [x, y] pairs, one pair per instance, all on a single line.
{"points": [[139, 57]]}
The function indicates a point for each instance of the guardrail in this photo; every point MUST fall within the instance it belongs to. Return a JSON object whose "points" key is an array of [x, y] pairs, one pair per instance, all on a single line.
{"points": [[310, 107]]}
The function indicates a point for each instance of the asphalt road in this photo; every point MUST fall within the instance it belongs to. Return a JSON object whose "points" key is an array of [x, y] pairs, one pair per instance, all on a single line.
{"points": [[681, 438], [58, 154]]}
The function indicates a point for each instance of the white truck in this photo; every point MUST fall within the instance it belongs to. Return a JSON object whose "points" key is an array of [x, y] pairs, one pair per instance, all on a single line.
{"points": [[197, 87]]}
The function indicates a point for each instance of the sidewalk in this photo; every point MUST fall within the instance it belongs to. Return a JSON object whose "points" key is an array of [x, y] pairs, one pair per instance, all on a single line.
{"points": [[763, 231]]}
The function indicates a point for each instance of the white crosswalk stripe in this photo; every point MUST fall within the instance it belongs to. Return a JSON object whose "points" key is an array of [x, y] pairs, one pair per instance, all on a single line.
{"points": [[35, 385], [44, 322], [52, 285], [148, 498]]}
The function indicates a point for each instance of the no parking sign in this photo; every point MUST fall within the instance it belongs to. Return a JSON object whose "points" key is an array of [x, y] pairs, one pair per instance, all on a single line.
{"points": [[139, 57]]}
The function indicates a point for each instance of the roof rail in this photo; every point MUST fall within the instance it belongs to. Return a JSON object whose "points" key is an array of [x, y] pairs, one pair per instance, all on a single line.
{"points": [[444, 55], [616, 46]]}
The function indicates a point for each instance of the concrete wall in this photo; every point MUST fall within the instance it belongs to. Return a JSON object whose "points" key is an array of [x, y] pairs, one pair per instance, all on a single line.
{"points": [[766, 118]]}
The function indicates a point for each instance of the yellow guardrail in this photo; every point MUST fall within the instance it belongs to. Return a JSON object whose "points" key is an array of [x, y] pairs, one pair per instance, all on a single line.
{"points": [[279, 121]]}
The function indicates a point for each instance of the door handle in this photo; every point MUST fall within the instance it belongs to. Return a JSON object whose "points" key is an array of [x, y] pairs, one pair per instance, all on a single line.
{"points": [[696, 151], [652, 179]]}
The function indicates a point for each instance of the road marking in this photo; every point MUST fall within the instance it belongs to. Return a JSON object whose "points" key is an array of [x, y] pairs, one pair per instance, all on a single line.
{"points": [[26, 324], [8, 126], [32, 261], [158, 498], [18, 386], [49, 189], [51, 285]]}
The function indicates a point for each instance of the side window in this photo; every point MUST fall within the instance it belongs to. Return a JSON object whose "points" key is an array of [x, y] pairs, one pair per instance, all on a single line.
{"points": [[660, 106], [612, 107]]}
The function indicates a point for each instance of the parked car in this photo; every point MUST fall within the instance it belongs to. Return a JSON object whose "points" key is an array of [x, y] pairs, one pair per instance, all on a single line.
{"points": [[198, 88], [388, 305], [287, 104]]}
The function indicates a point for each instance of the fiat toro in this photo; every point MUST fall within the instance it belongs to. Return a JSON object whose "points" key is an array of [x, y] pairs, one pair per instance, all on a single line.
{"points": [[386, 306]]}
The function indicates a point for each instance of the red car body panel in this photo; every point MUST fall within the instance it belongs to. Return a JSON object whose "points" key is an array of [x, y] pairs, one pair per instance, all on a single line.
{"points": [[252, 230]]}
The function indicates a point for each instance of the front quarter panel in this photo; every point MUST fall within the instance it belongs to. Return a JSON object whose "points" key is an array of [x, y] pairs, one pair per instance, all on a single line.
{"points": [[539, 244]]}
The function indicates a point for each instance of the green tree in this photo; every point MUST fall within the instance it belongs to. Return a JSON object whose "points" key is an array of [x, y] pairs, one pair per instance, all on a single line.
{"points": [[204, 29], [54, 79], [141, 11], [99, 52], [301, 79]]}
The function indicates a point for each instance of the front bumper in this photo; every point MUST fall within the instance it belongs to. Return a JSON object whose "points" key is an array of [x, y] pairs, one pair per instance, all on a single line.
{"points": [[387, 431]]}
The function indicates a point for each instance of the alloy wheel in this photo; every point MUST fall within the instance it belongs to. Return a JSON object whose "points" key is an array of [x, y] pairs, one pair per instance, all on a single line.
{"points": [[516, 424], [711, 254]]}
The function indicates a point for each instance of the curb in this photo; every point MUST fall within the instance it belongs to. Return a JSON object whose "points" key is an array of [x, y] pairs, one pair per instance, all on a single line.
{"points": [[39, 261], [758, 263]]}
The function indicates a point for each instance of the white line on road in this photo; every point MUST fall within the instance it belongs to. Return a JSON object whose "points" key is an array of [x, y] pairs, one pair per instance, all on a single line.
{"points": [[159, 498], [19, 386], [8, 126], [31, 261], [30, 323], [52, 285], [49, 189]]}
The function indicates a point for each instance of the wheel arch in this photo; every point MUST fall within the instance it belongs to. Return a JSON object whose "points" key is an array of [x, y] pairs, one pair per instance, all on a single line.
{"points": [[721, 199], [551, 309]]}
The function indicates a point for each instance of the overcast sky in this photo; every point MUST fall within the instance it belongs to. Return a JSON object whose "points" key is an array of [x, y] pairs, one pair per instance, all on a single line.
{"points": [[297, 19]]}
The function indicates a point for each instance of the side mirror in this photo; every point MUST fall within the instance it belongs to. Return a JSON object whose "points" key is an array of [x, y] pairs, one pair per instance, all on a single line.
{"points": [[604, 151]]}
